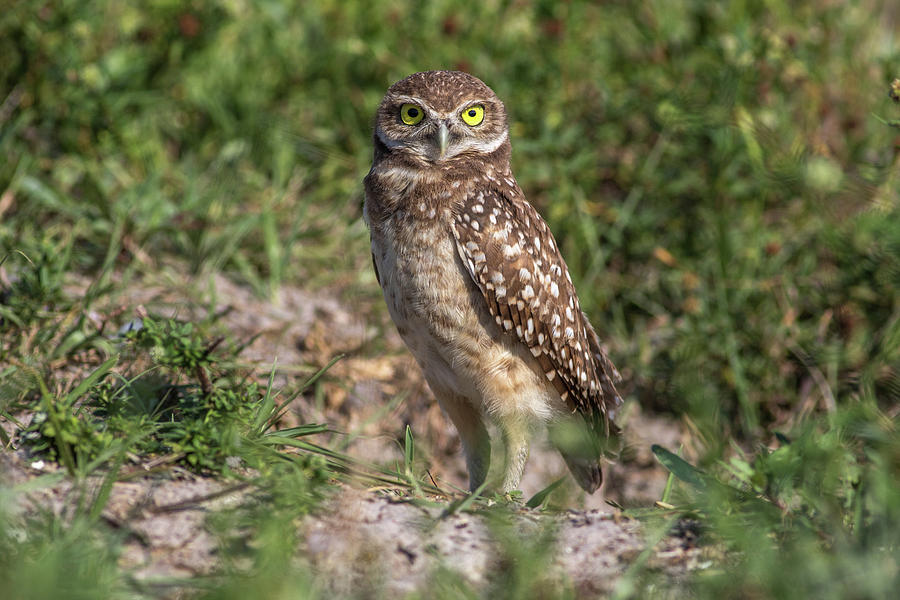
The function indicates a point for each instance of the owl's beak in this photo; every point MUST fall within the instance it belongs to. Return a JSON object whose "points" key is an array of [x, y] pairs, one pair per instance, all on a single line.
{"points": [[443, 139]]}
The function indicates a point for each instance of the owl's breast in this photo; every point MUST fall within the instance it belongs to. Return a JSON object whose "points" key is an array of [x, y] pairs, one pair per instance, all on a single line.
{"points": [[431, 298], [424, 282]]}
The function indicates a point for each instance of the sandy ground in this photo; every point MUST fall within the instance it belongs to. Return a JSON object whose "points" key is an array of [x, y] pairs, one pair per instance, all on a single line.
{"points": [[377, 541], [363, 537]]}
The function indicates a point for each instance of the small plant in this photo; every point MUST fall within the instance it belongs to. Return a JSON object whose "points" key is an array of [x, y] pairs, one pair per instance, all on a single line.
{"points": [[893, 94], [59, 429], [37, 287], [191, 416], [829, 490]]}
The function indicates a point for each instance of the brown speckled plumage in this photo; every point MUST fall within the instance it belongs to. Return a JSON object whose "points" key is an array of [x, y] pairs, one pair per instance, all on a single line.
{"points": [[475, 283]]}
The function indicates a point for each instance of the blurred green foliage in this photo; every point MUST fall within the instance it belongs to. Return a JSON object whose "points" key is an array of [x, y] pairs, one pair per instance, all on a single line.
{"points": [[721, 178], [819, 515], [720, 189]]}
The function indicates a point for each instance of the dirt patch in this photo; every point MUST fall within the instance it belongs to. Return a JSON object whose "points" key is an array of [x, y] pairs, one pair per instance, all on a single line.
{"points": [[162, 516], [366, 539], [360, 539], [376, 390]]}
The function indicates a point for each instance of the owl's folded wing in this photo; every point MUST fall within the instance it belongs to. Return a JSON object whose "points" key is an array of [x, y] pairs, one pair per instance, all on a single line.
{"points": [[511, 255]]}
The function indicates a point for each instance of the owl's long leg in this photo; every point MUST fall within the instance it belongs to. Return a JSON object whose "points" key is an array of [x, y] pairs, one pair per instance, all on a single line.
{"points": [[516, 436], [476, 441]]}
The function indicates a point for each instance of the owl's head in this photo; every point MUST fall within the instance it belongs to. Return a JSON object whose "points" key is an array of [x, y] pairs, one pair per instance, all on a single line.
{"points": [[436, 116]]}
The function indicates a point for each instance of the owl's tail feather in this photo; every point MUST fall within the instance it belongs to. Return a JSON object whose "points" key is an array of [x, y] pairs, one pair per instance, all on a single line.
{"points": [[581, 449], [587, 472]]}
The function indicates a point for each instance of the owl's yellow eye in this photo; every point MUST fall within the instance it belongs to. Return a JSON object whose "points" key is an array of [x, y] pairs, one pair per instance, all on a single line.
{"points": [[473, 115], [411, 114]]}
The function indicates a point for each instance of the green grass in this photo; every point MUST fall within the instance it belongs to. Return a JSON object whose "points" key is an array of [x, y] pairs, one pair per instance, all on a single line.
{"points": [[723, 179]]}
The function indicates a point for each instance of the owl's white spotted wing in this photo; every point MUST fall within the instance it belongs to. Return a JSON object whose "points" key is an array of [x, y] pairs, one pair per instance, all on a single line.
{"points": [[512, 257]]}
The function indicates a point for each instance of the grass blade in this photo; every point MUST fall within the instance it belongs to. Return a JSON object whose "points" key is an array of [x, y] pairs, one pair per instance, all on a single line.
{"points": [[90, 380], [409, 451], [465, 503], [539, 498], [679, 467]]}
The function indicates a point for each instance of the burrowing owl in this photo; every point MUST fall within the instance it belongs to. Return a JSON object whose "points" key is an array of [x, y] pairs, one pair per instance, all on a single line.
{"points": [[475, 283]]}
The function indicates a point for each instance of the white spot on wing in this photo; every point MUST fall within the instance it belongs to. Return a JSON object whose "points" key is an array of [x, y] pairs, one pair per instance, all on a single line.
{"points": [[511, 251]]}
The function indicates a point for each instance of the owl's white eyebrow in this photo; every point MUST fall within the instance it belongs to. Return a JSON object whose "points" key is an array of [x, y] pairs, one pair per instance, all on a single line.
{"points": [[486, 147], [469, 104], [386, 140], [410, 100]]}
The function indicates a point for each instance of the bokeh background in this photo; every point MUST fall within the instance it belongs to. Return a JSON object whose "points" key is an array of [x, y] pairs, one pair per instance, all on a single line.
{"points": [[723, 179]]}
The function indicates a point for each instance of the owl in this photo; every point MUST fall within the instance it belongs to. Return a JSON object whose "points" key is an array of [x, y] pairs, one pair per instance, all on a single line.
{"points": [[475, 282]]}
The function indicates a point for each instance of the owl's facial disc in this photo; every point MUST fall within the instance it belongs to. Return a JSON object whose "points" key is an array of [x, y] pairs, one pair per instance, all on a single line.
{"points": [[414, 126]]}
